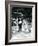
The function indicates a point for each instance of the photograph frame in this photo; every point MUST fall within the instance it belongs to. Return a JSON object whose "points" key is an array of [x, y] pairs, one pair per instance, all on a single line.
{"points": [[6, 32]]}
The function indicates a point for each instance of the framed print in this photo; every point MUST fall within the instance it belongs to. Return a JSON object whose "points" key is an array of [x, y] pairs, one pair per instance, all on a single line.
{"points": [[21, 22]]}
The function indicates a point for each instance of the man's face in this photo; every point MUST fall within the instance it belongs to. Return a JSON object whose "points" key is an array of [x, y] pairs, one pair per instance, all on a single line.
{"points": [[19, 18]]}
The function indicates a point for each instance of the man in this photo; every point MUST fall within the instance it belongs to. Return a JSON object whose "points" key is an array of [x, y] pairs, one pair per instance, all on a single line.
{"points": [[19, 23]]}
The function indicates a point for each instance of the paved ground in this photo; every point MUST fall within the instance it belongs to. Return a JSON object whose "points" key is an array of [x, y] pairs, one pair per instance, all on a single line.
{"points": [[20, 36]]}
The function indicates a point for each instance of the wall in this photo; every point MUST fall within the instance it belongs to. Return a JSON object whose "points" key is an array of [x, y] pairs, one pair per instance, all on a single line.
{"points": [[2, 25]]}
